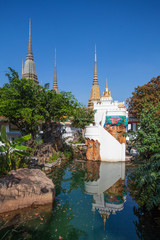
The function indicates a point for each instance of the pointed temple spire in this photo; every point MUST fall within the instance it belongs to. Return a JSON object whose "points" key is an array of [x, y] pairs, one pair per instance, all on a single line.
{"points": [[29, 70], [95, 90], [106, 84], [107, 93], [30, 53], [95, 78], [55, 86]]}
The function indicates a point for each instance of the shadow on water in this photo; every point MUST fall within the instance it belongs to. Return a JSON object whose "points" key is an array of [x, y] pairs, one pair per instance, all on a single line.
{"points": [[91, 203]]}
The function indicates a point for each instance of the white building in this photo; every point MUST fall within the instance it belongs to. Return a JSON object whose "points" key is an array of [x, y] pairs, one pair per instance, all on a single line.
{"points": [[110, 122]]}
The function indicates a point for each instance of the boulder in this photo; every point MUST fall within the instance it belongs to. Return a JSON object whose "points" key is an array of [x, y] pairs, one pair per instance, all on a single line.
{"points": [[93, 149], [44, 152], [25, 187]]}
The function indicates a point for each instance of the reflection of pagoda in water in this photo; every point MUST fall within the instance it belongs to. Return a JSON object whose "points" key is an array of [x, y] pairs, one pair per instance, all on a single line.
{"points": [[108, 190]]}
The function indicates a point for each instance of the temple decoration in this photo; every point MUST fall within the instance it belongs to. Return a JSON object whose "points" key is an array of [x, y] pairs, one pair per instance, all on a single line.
{"points": [[116, 120]]}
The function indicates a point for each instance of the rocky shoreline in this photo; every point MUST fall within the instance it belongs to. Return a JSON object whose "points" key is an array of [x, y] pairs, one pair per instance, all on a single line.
{"points": [[26, 187]]}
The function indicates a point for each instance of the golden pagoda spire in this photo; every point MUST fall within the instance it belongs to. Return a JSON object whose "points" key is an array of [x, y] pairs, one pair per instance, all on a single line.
{"points": [[55, 86], [106, 93], [95, 78], [95, 90], [106, 84], [104, 216]]}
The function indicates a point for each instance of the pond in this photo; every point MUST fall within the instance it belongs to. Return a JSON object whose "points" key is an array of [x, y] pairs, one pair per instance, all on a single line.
{"points": [[92, 203]]}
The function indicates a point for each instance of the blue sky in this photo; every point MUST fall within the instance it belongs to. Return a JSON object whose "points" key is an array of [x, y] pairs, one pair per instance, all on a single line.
{"points": [[126, 33]]}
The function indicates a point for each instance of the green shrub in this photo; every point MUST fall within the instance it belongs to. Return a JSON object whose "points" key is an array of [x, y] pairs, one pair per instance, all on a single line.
{"points": [[68, 155], [54, 157], [12, 153]]}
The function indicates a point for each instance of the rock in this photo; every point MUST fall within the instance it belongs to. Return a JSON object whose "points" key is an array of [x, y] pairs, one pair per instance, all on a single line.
{"points": [[93, 149], [134, 152], [44, 152], [49, 165], [25, 187], [79, 151]]}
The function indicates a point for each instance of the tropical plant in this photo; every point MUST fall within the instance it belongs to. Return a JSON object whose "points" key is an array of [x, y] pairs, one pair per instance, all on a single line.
{"points": [[11, 151]]}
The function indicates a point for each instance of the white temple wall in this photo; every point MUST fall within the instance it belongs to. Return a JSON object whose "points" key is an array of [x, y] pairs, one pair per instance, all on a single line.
{"points": [[110, 148], [107, 110]]}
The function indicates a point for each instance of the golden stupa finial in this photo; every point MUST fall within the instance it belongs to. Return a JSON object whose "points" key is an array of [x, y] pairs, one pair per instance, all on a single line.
{"points": [[106, 93], [104, 216], [106, 84]]}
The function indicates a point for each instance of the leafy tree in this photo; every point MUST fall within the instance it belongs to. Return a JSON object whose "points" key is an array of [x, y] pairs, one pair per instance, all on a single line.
{"points": [[25, 104], [145, 180], [12, 74], [147, 138], [147, 95], [20, 102], [58, 107], [9, 149], [82, 117]]}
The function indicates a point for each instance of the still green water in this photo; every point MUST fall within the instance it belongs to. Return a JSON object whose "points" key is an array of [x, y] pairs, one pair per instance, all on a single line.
{"points": [[92, 203]]}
